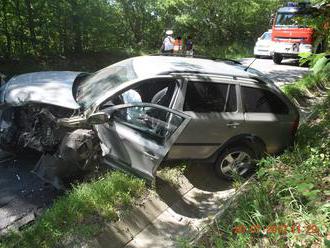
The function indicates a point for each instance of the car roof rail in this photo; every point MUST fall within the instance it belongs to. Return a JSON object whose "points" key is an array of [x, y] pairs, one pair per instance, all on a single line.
{"points": [[197, 57]]}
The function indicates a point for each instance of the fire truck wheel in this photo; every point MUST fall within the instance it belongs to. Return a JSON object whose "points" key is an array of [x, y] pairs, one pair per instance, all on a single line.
{"points": [[277, 58]]}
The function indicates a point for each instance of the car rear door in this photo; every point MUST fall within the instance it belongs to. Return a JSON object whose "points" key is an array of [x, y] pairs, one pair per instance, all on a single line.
{"points": [[268, 116], [138, 136], [216, 116]]}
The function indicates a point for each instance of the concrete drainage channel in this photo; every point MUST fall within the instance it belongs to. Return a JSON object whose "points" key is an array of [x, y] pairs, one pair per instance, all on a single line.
{"points": [[171, 213]]}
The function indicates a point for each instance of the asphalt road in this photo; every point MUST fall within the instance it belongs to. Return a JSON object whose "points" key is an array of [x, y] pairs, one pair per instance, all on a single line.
{"points": [[288, 72], [23, 196]]}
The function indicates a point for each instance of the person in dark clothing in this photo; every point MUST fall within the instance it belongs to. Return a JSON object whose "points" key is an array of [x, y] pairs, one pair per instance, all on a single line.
{"points": [[189, 46]]}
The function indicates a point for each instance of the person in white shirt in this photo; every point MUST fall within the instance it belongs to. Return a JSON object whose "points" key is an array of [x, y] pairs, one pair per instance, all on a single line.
{"points": [[168, 43]]}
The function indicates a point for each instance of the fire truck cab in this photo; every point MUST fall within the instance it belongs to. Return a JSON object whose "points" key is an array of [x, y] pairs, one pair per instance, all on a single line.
{"points": [[290, 32]]}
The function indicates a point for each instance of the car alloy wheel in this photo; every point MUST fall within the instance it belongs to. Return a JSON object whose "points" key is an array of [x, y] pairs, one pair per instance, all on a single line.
{"points": [[235, 162]]}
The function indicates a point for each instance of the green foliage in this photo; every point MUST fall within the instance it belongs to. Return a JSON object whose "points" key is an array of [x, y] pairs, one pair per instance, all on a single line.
{"points": [[320, 64], [81, 213], [50, 27], [311, 83], [311, 59]]}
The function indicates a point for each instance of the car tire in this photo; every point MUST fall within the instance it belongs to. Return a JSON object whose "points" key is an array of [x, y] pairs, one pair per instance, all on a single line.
{"points": [[235, 161], [277, 58], [257, 56]]}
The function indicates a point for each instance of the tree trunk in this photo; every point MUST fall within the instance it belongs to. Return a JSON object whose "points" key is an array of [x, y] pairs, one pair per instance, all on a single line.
{"points": [[76, 23], [20, 31], [31, 25], [6, 30]]}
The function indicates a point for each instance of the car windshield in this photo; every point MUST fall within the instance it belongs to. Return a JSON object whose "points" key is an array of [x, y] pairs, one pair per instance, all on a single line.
{"points": [[266, 36], [102, 81], [292, 20]]}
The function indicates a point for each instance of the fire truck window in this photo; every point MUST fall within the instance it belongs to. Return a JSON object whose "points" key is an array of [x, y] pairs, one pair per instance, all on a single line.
{"points": [[289, 19]]}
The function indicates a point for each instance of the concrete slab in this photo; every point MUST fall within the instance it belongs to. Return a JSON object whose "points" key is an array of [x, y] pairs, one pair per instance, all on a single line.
{"points": [[114, 235], [162, 232], [181, 220]]}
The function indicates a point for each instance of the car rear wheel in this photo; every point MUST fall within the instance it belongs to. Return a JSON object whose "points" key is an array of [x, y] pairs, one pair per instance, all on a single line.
{"points": [[277, 58], [235, 162]]}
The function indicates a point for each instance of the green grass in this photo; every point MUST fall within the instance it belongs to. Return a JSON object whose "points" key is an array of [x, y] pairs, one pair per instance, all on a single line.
{"points": [[309, 85], [81, 213], [173, 174]]}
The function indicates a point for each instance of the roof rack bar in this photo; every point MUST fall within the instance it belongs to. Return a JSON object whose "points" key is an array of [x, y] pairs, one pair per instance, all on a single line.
{"points": [[257, 79]]}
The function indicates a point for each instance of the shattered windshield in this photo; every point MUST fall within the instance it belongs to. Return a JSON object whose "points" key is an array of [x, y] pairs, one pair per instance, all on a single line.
{"points": [[102, 81]]}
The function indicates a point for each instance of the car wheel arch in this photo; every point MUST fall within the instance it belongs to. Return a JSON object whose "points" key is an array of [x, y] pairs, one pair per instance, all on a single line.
{"points": [[253, 142]]}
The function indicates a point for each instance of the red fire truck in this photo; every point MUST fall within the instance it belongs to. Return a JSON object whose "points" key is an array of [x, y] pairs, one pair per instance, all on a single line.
{"points": [[290, 32]]}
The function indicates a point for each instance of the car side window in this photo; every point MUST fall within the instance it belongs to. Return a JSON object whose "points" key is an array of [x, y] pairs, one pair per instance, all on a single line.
{"points": [[157, 91], [262, 101], [207, 97], [155, 123]]}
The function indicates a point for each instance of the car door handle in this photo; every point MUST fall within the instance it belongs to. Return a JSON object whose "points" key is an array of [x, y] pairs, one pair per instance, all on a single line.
{"points": [[233, 124], [150, 155]]}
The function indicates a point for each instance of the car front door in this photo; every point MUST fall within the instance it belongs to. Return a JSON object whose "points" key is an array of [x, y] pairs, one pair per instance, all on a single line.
{"points": [[138, 136]]}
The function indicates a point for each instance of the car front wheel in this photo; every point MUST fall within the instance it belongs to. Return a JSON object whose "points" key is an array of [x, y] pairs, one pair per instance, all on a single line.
{"points": [[235, 162]]}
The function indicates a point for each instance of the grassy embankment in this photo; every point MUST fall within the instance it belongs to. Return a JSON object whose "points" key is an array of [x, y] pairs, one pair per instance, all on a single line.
{"points": [[288, 204], [81, 213]]}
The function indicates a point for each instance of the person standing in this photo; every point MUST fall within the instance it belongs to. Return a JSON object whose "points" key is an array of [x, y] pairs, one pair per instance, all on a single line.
{"points": [[189, 46], [168, 43], [178, 45]]}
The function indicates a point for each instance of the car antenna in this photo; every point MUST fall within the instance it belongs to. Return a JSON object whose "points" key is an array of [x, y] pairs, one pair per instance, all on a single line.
{"points": [[250, 64]]}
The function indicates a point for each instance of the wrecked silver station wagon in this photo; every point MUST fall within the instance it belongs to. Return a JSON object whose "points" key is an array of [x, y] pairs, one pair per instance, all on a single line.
{"points": [[135, 113]]}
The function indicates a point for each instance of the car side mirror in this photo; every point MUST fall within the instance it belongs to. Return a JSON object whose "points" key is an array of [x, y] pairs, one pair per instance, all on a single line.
{"points": [[98, 118]]}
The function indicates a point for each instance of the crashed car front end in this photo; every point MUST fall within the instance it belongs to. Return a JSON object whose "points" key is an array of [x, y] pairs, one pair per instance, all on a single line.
{"points": [[38, 112]]}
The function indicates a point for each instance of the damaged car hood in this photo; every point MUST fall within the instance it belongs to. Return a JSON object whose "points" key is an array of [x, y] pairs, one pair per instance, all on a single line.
{"points": [[53, 87]]}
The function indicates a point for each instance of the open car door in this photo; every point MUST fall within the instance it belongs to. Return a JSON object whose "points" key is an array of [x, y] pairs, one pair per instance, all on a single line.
{"points": [[138, 136]]}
